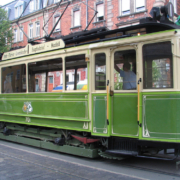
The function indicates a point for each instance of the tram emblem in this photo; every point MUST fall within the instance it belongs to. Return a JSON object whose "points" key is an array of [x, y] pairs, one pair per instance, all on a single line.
{"points": [[27, 107]]}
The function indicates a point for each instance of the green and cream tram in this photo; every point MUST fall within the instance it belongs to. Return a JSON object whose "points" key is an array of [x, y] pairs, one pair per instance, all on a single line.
{"points": [[113, 114]]}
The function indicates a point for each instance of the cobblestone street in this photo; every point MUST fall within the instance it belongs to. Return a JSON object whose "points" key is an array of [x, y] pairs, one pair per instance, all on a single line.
{"points": [[23, 165]]}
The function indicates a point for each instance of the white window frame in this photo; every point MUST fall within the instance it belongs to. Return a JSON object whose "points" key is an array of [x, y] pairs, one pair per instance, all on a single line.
{"points": [[37, 4], [58, 26], [45, 3], [100, 14], [7, 9], [16, 12], [15, 35], [37, 28], [55, 1], [31, 30], [31, 6], [20, 9], [21, 34], [124, 7], [76, 18], [174, 2], [139, 5]]}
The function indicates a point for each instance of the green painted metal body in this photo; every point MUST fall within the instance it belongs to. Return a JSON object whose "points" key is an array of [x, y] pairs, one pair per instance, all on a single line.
{"points": [[160, 116], [58, 110]]}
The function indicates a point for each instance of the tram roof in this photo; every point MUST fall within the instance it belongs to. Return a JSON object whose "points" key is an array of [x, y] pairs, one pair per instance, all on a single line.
{"points": [[103, 34]]}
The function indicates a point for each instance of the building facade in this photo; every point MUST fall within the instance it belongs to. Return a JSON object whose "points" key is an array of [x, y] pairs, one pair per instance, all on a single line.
{"points": [[40, 16]]}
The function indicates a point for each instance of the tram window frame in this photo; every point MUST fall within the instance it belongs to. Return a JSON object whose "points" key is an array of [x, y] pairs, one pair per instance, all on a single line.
{"points": [[42, 71], [166, 55], [128, 57], [71, 62], [99, 77], [9, 82]]}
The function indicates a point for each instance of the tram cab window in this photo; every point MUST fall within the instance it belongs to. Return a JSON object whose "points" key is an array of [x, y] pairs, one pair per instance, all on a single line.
{"points": [[76, 72], [45, 76], [125, 70], [157, 66], [14, 79], [100, 71]]}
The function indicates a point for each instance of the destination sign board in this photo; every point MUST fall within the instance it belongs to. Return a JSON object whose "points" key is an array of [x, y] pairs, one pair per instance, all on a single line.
{"points": [[16, 53], [33, 49]]}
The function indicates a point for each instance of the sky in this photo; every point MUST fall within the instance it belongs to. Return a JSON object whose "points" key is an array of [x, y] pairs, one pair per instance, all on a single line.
{"points": [[3, 2]]}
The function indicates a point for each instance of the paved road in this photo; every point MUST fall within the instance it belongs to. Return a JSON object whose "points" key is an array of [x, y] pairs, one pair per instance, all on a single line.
{"points": [[19, 162]]}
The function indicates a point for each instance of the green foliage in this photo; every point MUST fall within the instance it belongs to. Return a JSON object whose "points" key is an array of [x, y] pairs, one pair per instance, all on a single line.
{"points": [[156, 73], [119, 84], [6, 34]]}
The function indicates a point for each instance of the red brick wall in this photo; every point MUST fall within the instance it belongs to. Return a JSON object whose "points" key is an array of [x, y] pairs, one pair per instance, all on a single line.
{"points": [[178, 7], [66, 21]]}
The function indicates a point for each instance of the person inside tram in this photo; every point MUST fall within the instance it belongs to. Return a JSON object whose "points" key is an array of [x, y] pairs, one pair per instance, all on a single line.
{"points": [[129, 77]]}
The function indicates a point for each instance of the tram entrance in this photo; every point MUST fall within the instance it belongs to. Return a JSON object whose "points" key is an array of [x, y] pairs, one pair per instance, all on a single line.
{"points": [[100, 125], [124, 100]]}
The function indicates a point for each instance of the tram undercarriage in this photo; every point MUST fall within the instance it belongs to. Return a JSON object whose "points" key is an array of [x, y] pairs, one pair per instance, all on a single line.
{"points": [[85, 145]]}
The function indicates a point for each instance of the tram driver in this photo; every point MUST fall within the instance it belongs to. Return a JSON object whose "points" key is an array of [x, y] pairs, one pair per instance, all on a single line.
{"points": [[129, 77]]}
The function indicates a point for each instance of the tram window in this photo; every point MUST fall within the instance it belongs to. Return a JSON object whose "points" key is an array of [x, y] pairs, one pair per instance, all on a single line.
{"points": [[157, 66], [125, 70], [100, 71], [14, 79], [45, 76], [76, 72]]}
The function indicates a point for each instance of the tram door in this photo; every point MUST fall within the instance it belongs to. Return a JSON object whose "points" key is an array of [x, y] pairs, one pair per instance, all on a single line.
{"points": [[124, 85], [100, 73]]}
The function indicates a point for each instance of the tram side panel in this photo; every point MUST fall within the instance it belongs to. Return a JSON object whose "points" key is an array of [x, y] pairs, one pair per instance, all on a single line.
{"points": [[52, 110]]}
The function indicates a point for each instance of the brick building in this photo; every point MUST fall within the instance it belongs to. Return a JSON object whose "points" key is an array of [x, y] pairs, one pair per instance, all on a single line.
{"points": [[112, 14]]}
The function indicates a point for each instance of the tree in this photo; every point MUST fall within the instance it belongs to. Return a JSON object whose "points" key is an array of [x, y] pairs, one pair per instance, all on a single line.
{"points": [[6, 34]]}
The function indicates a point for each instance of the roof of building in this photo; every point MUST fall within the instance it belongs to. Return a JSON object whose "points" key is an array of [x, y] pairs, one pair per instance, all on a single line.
{"points": [[10, 7]]}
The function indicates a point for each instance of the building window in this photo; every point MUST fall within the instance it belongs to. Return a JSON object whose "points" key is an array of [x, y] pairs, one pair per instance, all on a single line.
{"points": [[37, 29], [174, 4], [37, 4], [57, 28], [31, 6], [15, 35], [125, 7], [18, 11], [55, 1], [128, 7], [30, 30], [76, 18], [140, 5], [100, 10], [45, 3], [21, 34], [7, 9]]}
